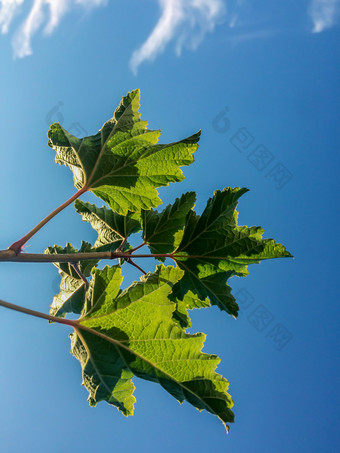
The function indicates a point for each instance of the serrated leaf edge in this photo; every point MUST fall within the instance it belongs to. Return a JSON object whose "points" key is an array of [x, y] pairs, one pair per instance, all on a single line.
{"points": [[118, 344]]}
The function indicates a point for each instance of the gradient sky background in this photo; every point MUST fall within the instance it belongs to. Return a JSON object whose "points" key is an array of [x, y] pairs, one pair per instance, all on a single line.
{"points": [[266, 72]]}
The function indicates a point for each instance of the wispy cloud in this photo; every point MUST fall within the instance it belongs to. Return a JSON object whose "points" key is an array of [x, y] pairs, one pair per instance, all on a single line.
{"points": [[323, 14], [8, 10], [184, 21], [46, 13]]}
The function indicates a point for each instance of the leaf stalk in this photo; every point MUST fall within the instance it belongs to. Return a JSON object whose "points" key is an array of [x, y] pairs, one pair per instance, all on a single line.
{"points": [[18, 245], [38, 314]]}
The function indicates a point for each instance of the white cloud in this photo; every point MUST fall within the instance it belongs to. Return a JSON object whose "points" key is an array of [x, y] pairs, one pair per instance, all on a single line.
{"points": [[185, 21], [7, 12], [43, 12], [323, 14]]}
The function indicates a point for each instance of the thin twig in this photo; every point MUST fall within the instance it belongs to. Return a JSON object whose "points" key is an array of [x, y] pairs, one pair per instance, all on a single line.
{"points": [[138, 247], [79, 272], [17, 246], [38, 314], [119, 249], [129, 260]]}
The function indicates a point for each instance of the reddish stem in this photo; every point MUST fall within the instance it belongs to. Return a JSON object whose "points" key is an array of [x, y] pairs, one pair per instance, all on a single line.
{"points": [[119, 249], [80, 274], [138, 247], [17, 246], [129, 260], [38, 314]]}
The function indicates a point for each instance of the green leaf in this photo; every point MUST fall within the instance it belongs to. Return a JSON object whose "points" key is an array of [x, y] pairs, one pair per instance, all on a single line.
{"points": [[104, 374], [123, 164], [112, 228], [189, 301], [71, 297], [163, 231], [214, 248], [212, 287], [133, 332]]}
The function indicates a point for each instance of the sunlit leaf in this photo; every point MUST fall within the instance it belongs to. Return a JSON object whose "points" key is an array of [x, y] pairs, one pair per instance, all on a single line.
{"points": [[123, 163], [133, 332]]}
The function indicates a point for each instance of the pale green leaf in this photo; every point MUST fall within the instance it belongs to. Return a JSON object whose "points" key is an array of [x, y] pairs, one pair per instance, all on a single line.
{"points": [[134, 332], [122, 163], [112, 228], [189, 301]]}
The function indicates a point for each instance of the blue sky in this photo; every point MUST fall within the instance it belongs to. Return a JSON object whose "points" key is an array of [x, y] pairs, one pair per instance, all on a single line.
{"points": [[262, 82]]}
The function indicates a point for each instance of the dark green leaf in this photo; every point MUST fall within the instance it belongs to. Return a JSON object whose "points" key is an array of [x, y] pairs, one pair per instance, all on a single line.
{"points": [[214, 248], [163, 231]]}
